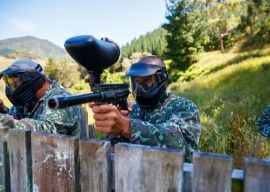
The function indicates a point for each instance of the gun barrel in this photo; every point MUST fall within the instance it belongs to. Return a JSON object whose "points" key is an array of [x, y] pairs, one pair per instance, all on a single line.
{"points": [[103, 97], [66, 101]]}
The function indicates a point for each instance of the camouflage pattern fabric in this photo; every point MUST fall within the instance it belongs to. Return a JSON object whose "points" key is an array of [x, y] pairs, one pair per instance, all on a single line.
{"points": [[263, 122], [173, 124], [42, 118]]}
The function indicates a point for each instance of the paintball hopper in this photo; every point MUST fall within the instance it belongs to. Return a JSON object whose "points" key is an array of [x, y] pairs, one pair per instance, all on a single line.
{"points": [[93, 54]]}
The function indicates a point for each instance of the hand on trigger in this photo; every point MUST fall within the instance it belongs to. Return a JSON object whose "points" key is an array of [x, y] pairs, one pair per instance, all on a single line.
{"points": [[111, 121]]}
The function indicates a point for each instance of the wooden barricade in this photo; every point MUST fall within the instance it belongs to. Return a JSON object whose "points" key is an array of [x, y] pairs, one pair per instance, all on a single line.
{"points": [[46, 162]]}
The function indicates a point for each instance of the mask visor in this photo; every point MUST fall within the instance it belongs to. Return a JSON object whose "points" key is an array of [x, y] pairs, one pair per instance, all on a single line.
{"points": [[13, 81]]}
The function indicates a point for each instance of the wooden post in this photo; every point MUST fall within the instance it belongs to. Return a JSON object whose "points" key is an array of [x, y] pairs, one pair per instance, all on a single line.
{"points": [[94, 165], [212, 172], [256, 175], [144, 168], [55, 163], [4, 160], [19, 144], [83, 124]]}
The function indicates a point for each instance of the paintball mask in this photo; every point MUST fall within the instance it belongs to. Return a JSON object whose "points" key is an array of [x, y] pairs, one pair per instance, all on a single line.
{"points": [[23, 79], [148, 83]]}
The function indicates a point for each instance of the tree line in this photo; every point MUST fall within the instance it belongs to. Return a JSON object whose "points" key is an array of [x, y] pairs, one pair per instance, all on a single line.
{"points": [[203, 25]]}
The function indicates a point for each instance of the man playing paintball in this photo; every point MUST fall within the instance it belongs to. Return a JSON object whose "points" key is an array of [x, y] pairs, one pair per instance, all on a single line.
{"points": [[28, 89], [157, 118]]}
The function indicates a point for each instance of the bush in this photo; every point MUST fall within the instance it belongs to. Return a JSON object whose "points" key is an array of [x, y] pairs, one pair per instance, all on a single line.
{"points": [[63, 71]]}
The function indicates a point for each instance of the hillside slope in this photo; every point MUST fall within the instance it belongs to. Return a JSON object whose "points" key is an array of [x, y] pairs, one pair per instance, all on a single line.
{"points": [[231, 90]]}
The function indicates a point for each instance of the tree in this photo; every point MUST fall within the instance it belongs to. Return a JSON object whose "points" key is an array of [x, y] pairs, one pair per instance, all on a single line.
{"points": [[257, 18], [222, 18], [184, 34], [63, 71], [51, 69], [153, 42]]}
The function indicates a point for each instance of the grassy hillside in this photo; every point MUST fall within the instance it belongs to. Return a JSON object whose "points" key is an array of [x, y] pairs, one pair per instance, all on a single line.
{"points": [[231, 90]]}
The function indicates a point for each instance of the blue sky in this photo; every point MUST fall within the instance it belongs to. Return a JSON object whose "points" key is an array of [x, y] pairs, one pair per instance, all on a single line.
{"points": [[57, 20]]}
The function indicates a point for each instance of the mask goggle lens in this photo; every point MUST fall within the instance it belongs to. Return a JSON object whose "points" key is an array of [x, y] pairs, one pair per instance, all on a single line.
{"points": [[12, 81], [146, 83]]}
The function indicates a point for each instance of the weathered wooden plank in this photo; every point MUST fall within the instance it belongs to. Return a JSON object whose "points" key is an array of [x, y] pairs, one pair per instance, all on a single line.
{"points": [[19, 145], [55, 163], [237, 178], [187, 175], [142, 168], [212, 172], [4, 160], [257, 175], [4, 133], [94, 165], [83, 125]]}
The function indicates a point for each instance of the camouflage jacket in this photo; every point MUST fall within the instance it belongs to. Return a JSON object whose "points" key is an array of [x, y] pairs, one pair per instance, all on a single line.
{"points": [[173, 124], [263, 122], [42, 118]]}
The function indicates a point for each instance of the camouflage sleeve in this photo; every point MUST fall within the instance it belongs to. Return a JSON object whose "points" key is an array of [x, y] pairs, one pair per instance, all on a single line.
{"points": [[62, 121], [180, 131], [263, 122]]}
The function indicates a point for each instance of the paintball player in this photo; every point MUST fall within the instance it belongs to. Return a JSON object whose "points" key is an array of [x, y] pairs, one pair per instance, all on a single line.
{"points": [[158, 118], [263, 122], [28, 89]]}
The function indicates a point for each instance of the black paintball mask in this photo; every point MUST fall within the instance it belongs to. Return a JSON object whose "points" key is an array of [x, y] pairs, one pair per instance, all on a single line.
{"points": [[23, 79], [148, 83]]}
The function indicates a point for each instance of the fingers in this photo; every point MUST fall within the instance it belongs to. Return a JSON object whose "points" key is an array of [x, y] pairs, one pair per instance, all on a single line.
{"points": [[91, 105], [106, 127], [124, 112], [104, 108], [109, 120], [104, 116], [129, 107]]}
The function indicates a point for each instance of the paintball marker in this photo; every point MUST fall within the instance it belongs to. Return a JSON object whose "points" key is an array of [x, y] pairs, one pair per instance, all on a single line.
{"points": [[95, 55]]}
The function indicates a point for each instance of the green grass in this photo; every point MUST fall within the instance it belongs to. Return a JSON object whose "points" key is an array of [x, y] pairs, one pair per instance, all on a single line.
{"points": [[230, 101], [210, 62]]}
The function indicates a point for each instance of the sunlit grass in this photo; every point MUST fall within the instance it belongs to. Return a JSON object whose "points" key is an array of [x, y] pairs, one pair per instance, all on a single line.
{"points": [[230, 101]]}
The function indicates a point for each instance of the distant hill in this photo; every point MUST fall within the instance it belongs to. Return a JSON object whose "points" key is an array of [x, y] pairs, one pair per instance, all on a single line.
{"points": [[31, 45]]}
